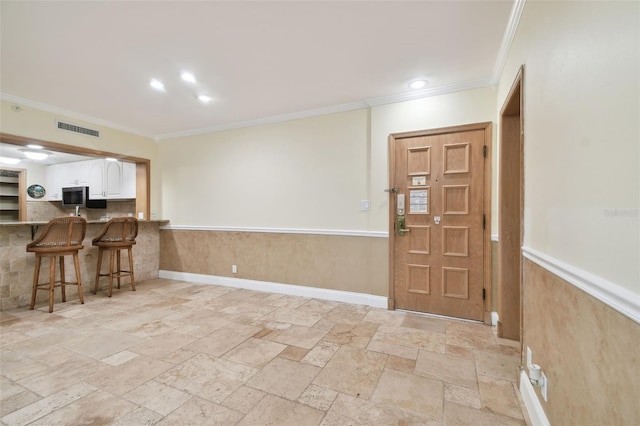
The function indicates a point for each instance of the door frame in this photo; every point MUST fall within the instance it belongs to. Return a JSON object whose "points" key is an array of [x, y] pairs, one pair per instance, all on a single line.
{"points": [[486, 127], [511, 212]]}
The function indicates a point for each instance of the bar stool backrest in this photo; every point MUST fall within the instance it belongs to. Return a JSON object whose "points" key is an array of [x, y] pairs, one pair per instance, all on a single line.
{"points": [[118, 231], [61, 233]]}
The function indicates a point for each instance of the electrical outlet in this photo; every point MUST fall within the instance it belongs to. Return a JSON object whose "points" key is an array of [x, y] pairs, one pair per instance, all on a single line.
{"points": [[234, 269]]}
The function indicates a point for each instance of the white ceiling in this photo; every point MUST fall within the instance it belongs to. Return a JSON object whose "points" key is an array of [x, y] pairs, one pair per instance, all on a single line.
{"points": [[257, 60], [55, 157]]}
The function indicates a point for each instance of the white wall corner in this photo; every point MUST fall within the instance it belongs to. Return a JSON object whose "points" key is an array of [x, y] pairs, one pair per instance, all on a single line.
{"points": [[531, 402]]}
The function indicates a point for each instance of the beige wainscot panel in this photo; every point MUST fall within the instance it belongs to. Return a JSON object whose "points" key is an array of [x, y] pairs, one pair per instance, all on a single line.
{"points": [[347, 263], [587, 350]]}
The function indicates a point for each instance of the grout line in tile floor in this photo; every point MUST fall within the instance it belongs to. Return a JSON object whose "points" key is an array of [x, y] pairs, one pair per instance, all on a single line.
{"points": [[178, 353]]}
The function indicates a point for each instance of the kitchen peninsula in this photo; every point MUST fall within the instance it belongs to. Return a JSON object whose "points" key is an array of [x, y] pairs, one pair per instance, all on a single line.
{"points": [[16, 265]]}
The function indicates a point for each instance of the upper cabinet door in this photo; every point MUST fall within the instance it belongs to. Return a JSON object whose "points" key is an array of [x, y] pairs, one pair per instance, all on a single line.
{"points": [[96, 180], [54, 182], [128, 189], [113, 179]]}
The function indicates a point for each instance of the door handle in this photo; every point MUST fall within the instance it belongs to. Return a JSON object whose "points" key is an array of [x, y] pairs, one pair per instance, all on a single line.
{"points": [[400, 226]]}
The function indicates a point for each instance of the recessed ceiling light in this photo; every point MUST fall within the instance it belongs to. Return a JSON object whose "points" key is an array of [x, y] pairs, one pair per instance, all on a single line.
{"points": [[188, 77], [8, 160], [418, 83], [204, 98], [32, 146], [157, 84]]}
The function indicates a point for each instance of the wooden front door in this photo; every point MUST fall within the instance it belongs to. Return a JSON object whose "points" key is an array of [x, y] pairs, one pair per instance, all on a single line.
{"points": [[437, 232]]}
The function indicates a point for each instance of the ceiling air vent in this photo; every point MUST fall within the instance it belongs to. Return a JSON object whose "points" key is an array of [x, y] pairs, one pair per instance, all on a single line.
{"points": [[77, 129]]}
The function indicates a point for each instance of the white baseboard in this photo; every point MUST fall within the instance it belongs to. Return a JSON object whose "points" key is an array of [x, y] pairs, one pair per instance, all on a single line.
{"points": [[289, 289], [531, 402]]}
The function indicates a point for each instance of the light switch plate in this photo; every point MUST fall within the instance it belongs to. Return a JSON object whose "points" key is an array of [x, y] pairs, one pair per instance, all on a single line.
{"points": [[364, 205]]}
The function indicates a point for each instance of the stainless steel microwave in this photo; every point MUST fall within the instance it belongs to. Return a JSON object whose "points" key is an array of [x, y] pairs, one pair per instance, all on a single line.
{"points": [[78, 196]]}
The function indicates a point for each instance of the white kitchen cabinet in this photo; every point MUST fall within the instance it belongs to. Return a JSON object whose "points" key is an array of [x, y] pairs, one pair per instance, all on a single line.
{"points": [[54, 182], [111, 180], [64, 175], [76, 174], [106, 179], [128, 189]]}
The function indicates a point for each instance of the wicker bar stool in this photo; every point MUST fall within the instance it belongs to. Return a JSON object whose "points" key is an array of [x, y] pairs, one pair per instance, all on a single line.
{"points": [[118, 234], [61, 237]]}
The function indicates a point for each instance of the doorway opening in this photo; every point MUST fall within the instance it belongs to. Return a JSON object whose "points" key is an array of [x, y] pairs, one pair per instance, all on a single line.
{"points": [[143, 166], [511, 212]]}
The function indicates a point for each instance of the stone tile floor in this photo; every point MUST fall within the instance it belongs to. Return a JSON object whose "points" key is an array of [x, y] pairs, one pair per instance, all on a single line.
{"points": [[178, 353]]}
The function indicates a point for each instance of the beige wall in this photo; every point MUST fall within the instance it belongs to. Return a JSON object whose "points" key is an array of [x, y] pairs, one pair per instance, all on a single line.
{"points": [[581, 118], [582, 127], [39, 124], [307, 174]]}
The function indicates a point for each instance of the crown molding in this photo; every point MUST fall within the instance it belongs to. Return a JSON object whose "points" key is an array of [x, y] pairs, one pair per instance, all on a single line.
{"points": [[433, 91], [266, 120], [71, 114], [507, 40], [368, 103]]}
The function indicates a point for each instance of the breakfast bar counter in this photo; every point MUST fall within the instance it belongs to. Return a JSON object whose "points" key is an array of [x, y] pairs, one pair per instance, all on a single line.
{"points": [[17, 265]]}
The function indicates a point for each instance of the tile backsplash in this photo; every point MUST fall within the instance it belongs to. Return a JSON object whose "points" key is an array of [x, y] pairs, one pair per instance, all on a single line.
{"points": [[47, 210]]}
